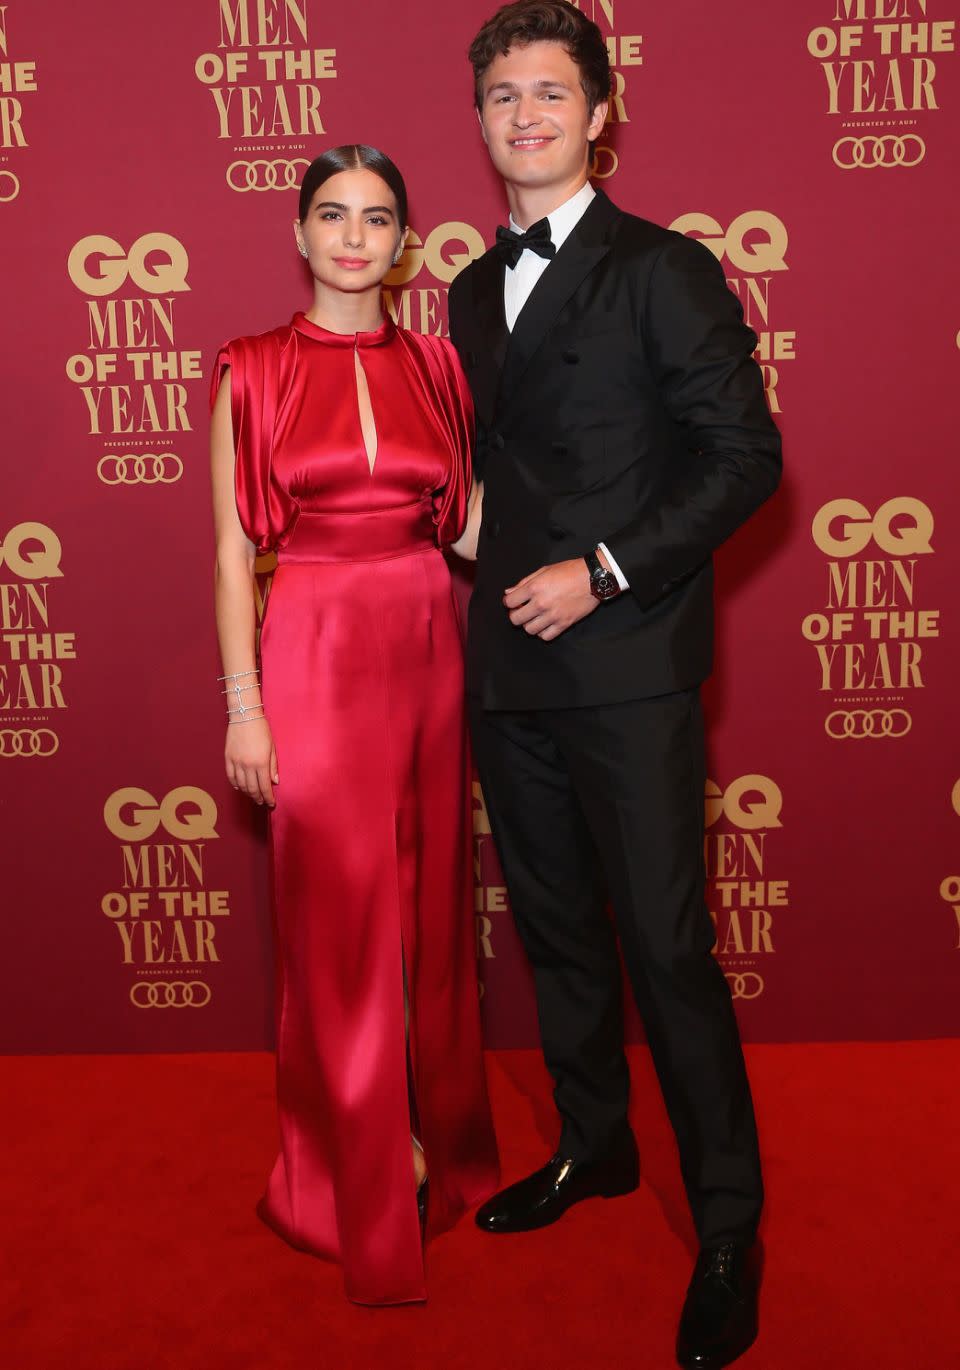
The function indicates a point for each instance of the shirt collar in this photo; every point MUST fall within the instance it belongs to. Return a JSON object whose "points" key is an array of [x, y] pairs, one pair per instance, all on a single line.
{"points": [[565, 217]]}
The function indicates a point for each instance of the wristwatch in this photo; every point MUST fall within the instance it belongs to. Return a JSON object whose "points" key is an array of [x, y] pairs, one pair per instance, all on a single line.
{"points": [[603, 583]]}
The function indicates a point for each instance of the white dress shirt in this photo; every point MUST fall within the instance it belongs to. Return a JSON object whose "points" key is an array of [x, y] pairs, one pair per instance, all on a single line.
{"points": [[518, 282]]}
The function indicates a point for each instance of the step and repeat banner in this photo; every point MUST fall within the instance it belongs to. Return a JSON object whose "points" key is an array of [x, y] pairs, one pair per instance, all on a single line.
{"points": [[149, 159]]}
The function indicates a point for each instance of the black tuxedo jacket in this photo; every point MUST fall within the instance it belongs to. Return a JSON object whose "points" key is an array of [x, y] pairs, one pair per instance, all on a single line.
{"points": [[626, 408]]}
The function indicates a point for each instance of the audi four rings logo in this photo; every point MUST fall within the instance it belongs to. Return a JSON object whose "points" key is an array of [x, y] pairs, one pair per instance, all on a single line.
{"points": [[868, 723], [28, 742], [887, 151], [745, 984], [140, 468], [262, 175], [170, 994], [9, 187]]}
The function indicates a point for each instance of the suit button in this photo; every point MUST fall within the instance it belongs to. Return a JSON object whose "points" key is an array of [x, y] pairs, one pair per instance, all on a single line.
{"points": [[496, 442], [569, 356]]}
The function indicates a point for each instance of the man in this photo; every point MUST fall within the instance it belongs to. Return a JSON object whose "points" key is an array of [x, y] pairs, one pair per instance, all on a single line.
{"points": [[622, 436]]}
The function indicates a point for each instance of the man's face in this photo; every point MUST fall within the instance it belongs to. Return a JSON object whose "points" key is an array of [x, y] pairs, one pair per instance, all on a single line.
{"points": [[534, 116]]}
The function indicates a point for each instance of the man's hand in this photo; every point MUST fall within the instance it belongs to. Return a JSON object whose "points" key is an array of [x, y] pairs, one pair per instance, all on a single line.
{"points": [[546, 603]]}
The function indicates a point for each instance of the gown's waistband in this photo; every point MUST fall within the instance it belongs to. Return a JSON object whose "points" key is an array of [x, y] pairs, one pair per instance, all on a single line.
{"points": [[369, 535]]}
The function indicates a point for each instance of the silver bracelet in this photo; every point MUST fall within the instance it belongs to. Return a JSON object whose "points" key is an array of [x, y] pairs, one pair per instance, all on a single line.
{"points": [[238, 675], [231, 722], [245, 708], [236, 690]]}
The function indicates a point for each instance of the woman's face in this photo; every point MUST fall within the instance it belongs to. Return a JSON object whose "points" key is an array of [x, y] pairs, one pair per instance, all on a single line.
{"points": [[351, 231]]}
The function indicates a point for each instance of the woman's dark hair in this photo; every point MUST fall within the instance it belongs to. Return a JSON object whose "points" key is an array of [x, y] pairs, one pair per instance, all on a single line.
{"points": [[353, 157], [544, 21]]}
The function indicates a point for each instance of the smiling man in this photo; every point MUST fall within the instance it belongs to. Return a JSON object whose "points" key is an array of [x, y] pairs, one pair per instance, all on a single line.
{"points": [[622, 436]]}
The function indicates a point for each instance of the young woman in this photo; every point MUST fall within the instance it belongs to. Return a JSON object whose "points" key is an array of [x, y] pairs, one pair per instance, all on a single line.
{"points": [[342, 443]]}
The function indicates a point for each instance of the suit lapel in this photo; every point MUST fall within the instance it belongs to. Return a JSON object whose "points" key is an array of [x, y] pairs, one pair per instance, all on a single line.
{"points": [[588, 244], [493, 336]]}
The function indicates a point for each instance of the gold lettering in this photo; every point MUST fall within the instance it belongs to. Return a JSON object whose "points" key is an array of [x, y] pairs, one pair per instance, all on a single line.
{"points": [[771, 377], [223, 107], [857, 9], [12, 609], [731, 937], [728, 855], [178, 951], [924, 72], [105, 332], [271, 29], [205, 934], [234, 25], [833, 71], [11, 129], [845, 666], [484, 944], [617, 112], [136, 866], [40, 692], [126, 931], [876, 588], [310, 121], [757, 297]]}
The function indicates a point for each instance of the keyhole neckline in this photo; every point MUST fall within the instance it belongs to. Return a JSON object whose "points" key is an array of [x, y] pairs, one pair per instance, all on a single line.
{"points": [[383, 334]]}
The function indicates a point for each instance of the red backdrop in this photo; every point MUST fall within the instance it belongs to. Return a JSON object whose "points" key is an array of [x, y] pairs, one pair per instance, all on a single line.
{"points": [[148, 158]]}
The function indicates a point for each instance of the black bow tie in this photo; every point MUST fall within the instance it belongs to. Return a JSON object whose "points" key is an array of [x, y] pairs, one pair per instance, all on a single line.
{"points": [[510, 245]]}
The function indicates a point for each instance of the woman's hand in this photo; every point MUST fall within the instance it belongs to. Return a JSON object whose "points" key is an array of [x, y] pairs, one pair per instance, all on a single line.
{"points": [[251, 760]]}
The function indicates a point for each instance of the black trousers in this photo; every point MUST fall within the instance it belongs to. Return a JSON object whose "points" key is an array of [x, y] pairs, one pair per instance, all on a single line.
{"points": [[608, 800]]}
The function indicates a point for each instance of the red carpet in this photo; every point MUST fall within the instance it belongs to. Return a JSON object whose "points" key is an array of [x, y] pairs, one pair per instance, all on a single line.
{"points": [[130, 1242]]}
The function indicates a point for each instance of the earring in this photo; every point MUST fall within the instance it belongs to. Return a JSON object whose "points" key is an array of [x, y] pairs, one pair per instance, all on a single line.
{"points": [[303, 252]]}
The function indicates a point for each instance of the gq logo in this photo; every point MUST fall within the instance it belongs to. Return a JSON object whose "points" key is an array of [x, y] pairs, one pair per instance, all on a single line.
{"points": [[32, 551], [752, 802], [433, 254], [156, 263], [755, 242], [187, 813], [901, 527]]}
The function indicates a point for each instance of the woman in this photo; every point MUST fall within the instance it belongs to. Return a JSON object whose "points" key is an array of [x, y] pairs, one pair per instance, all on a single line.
{"points": [[342, 443]]}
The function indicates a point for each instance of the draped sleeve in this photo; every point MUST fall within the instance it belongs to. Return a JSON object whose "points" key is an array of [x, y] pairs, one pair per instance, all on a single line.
{"points": [[257, 376], [448, 399]]}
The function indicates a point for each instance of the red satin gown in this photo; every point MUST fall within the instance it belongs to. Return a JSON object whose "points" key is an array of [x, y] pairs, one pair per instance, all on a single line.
{"points": [[372, 870]]}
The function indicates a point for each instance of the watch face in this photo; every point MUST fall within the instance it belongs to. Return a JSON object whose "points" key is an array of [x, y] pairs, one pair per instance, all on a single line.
{"points": [[605, 585]]}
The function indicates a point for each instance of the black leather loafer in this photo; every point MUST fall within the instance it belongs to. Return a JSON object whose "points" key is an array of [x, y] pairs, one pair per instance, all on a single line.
{"points": [[545, 1196], [719, 1319]]}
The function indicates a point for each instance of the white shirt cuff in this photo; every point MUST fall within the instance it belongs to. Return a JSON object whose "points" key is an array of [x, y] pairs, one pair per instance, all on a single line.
{"points": [[621, 578]]}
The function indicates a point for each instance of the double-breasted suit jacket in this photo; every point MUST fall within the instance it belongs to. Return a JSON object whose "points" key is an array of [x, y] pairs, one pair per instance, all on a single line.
{"points": [[624, 407]]}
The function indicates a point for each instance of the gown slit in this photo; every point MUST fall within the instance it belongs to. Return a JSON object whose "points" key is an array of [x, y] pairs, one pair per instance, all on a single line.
{"points": [[362, 669]]}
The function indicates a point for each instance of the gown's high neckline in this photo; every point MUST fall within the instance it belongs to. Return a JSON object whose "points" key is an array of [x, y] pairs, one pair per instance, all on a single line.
{"points": [[384, 333]]}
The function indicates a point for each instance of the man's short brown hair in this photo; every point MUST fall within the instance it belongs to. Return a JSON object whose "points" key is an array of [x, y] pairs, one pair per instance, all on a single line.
{"points": [[544, 21]]}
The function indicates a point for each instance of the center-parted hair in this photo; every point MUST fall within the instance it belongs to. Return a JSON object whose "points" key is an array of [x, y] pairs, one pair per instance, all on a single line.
{"points": [[353, 157], [544, 21]]}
